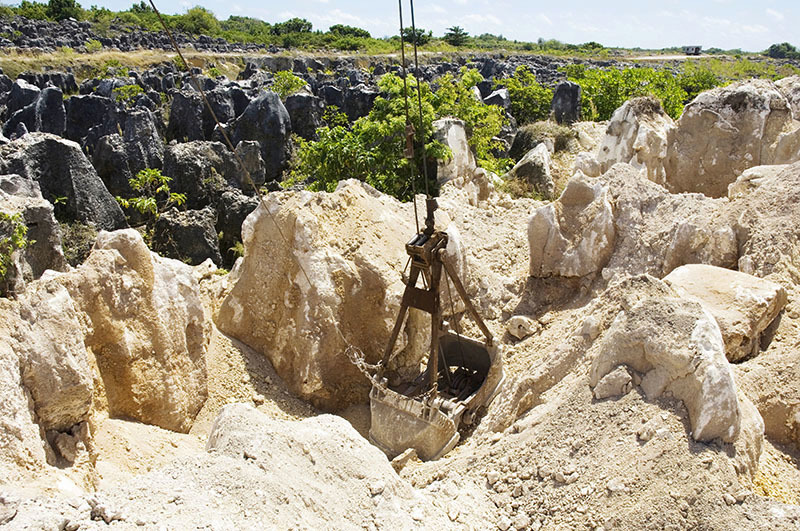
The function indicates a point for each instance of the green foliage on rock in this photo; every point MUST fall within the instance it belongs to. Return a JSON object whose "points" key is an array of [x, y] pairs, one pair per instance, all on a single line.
{"points": [[198, 21], [13, 237], [126, 93], [155, 195], [63, 9], [285, 84], [530, 101], [372, 148]]}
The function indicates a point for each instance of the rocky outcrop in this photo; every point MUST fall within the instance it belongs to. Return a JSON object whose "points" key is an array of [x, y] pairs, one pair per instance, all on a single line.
{"points": [[21, 195], [687, 360], [534, 169], [726, 130], [62, 170], [146, 330], [305, 111], [743, 305], [566, 104], [267, 121], [349, 243], [45, 113], [186, 117], [188, 236], [638, 134], [203, 170], [790, 88], [658, 231], [575, 235], [452, 134]]}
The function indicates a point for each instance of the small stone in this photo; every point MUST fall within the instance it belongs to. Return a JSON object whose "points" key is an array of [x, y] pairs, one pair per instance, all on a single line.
{"points": [[615, 383], [417, 514], [518, 491], [503, 523], [399, 462], [492, 476], [729, 499], [742, 495], [590, 328], [452, 513], [545, 472], [646, 433], [559, 477], [521, 521], [495, 437], [616, 485], [377, 488], [521, 327]]}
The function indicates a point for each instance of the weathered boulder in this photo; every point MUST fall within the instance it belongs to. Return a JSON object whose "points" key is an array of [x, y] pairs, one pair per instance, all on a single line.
{"points": [[185, 117], [232, 209], [474, 189], [110, 160], [499, 97], [451, 133], [574, 235], [790, 88], [534, 169], [21, 95], [350, 243], [358, 101], [187, 235], [202, 170], [53, 358], [566, 104], [266, 120], [305, 111], [743, 305], [46, 114], [638, 134], [726, 130], [145, 328], [143, 144], [21, 195], [657, 231], [677, 347], [89, 117], [221, 103], [62, 170], [766, 217]]}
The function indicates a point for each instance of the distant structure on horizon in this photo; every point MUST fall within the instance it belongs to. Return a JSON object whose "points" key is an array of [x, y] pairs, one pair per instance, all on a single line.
{"points": [[692, 50]]}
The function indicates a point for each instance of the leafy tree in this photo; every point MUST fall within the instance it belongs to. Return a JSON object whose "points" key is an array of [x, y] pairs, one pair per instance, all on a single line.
{"points": [[63, 9], [285, 84], [349, 31], [293, 25], [155, 196], [530, 101], [421, 37], [372, 148], [456, 36], [695, 79], [783, 50], [126, 94], [32, 10], [198, 20]]}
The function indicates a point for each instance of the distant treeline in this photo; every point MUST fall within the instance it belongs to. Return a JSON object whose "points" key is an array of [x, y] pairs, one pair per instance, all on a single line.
{"points": [[300, 33]]}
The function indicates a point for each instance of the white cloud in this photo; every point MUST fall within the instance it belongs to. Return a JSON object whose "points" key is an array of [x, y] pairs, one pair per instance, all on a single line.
{"points": [[544, 18], [482, 19], [777, 15]]}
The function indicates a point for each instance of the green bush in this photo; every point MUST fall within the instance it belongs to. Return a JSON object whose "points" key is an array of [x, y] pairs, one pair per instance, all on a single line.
{"points": [[155, 195], [13, 237], [293, 25], [93, 46], [530, 101], [285, 84], [456, 36], [372, 148], [198, 20], [695, 79], [349, 31], [603, 91], [127, 93]]}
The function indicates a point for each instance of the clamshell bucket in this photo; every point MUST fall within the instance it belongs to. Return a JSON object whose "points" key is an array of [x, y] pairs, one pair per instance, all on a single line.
{"points": [[401, 420]]}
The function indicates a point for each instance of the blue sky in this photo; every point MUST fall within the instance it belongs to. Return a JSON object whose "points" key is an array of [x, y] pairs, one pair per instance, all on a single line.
{"points": [[748, 24]]}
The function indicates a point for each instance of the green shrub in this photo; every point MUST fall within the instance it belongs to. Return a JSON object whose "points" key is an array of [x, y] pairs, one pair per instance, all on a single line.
{"points": [[155, 194], [13, 237], [456, 36], [603, 91], [530, 101], [198, 20], [372, 148], [349, 31], [127, 93], [285, 84], [213, 72], [93, 46], [695, 79]]}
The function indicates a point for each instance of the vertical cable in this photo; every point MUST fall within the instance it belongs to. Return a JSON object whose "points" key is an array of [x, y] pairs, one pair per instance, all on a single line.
{"points": [[408, 121], [419, 100]]}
